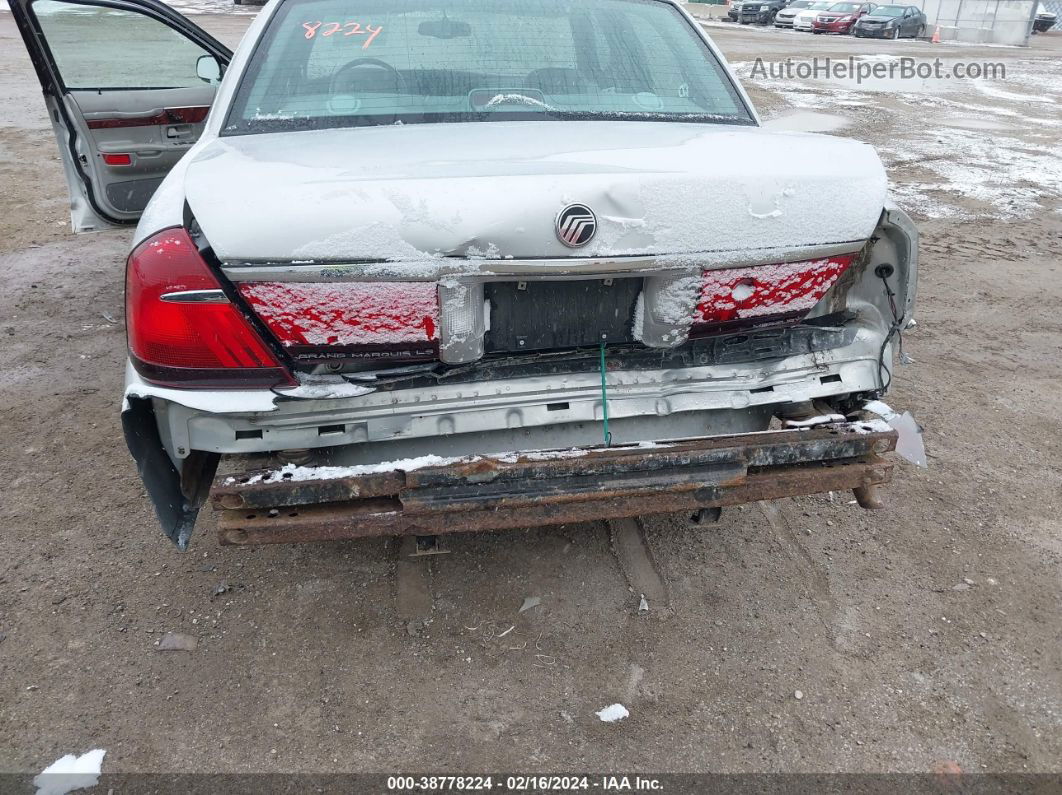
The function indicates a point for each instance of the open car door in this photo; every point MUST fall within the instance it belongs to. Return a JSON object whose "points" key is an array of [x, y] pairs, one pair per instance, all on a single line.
{"points": [[128, 84]]}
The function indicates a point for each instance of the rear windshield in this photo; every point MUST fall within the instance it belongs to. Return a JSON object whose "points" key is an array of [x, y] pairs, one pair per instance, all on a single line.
{"points": [[332, 63]]}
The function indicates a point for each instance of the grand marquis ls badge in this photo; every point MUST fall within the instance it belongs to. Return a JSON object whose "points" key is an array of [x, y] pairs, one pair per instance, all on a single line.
{"points": [[576, 225]]}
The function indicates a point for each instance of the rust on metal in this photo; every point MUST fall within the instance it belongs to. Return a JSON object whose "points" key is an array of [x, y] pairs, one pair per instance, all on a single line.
{"points": [[488, 493], [868, 496]]}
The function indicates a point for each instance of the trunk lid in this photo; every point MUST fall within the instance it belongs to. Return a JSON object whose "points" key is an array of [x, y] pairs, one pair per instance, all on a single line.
{"points": [[493, 190]]}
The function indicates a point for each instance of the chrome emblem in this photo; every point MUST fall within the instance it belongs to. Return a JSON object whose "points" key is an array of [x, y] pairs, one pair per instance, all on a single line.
{"points": [[576, 225]]}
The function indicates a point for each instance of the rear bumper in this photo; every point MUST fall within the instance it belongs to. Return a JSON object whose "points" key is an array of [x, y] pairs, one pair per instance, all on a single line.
{"points": [[550, 487]]}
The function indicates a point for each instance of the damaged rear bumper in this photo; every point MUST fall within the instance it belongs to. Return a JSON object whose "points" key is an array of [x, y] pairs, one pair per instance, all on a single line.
{"points": [[550, 487]]}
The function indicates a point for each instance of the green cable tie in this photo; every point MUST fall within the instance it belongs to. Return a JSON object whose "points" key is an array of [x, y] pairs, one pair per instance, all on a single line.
{"points": [[604, 397]]}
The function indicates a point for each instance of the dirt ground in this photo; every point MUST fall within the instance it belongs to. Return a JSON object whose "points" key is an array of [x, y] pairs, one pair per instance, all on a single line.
{"points": [[928, 633]]}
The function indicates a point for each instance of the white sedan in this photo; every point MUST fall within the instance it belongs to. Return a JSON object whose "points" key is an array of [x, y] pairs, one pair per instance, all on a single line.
{"points": [[804, 18], [419, 267]]}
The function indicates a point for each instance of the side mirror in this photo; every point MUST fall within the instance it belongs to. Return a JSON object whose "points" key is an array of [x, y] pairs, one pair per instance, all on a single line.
{"points": [[208, 69]]}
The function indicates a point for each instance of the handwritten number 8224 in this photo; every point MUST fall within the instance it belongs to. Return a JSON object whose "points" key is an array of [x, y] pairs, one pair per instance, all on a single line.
{"points": [[326, 29]]}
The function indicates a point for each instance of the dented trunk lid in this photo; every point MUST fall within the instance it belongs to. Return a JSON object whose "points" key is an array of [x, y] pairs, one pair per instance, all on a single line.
{"points": [[416, 193]]}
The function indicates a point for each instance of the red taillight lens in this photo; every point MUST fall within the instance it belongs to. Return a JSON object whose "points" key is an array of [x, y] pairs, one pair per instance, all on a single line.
{"points": [[181, 328], [766, 292], [376, 321]]}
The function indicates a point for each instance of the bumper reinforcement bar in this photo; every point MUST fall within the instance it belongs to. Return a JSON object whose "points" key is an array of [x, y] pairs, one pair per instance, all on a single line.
{"points": [[525, 489]]}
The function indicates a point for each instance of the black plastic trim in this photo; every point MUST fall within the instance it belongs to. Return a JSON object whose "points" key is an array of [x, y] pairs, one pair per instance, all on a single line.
{"points": [[175, 510]]}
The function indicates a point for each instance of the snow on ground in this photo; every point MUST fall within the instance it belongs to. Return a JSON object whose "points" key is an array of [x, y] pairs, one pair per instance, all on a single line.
{"points": [[613, 713], [211, 7], [1000, 171], [70, 773], [990, 150], [191, 7], [196, 7]]}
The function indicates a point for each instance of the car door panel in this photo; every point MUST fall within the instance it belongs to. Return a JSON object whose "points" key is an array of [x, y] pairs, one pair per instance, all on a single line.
{"points": [[135, 142], [120, 78]]}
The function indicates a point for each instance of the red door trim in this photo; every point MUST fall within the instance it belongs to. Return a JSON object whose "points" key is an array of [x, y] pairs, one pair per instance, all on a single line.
{"points": [[192, 115]]}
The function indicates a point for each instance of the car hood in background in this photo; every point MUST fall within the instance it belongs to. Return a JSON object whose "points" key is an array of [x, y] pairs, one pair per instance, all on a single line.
{"points": [[872, 18], [494, 189]]}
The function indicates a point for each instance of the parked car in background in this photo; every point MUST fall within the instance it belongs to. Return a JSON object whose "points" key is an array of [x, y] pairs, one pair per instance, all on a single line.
{"points": [[500, 271], [1044, 20], [840, 17], [804, 19], [760, 13], [891, 22], [784, 17]]}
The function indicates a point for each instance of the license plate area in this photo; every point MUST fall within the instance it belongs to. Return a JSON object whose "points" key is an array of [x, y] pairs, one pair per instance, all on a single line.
{"points": [[540, 315]]}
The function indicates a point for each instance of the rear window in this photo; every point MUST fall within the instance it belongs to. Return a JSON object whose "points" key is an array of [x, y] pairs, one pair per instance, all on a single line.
{"points": [[331, 63]]}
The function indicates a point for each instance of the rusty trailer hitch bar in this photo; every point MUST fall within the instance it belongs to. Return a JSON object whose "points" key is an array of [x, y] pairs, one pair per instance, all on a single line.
{"points": [[544, 487]]}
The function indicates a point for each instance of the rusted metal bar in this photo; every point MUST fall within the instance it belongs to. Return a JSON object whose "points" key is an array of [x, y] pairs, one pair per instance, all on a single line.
{"points": [[539, 488], [377, 517], [868, 496], [268, 488], [248, 490]]}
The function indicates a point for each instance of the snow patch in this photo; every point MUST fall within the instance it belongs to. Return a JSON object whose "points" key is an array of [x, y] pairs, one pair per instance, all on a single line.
{"points": [[871, 426], [822, 419], [613, 713], [324, 387], [70, 772], [998, 93], [293, 472], [1002, 173]]}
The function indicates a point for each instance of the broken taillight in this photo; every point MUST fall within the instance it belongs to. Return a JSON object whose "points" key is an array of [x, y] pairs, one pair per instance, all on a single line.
{"points": [[182, 329], [368, 321], [763, 293]]}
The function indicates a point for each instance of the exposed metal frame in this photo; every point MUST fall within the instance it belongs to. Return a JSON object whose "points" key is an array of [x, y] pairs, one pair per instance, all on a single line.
{"points": [[553, 487]]}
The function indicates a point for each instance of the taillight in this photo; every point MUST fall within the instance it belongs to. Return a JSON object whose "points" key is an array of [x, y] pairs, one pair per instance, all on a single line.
{"points": [[182, 329], [373, 321], [764, 293]]}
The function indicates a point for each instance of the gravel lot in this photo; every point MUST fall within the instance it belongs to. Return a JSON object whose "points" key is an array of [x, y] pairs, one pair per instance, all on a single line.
{"points": [[920, 636]]}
